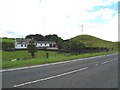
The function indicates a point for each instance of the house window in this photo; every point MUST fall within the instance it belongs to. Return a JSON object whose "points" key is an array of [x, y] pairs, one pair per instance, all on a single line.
{"points": [[21, 45], [54, 45], [45, 44], [50, 45], [41, 44], [25, 45]]}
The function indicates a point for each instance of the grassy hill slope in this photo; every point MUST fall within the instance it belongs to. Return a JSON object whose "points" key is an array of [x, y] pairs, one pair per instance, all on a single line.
{"points": [[88, 40], [91, 41]]}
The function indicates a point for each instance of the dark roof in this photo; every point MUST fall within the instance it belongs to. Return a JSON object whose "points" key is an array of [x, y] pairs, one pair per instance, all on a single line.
{"points": [[46, 42], [22, 40]]}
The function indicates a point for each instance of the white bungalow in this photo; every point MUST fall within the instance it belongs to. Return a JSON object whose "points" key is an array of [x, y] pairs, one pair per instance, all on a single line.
{"points": [[21, 43], [47, 44]]}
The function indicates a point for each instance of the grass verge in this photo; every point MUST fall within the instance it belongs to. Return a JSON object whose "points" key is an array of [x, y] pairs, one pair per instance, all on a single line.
{"points": [[26, 60]]}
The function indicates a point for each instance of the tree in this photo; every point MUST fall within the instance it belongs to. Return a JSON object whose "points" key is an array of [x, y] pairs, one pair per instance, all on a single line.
{"points": [[73, 46], [36, 37], [32, 48], [56, 39]]}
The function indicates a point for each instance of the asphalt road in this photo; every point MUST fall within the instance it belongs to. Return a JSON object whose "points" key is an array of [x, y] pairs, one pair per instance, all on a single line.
{"points": [[94, 72]]}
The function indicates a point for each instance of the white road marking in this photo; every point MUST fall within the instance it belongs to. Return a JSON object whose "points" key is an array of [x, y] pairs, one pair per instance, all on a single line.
{"points": [[28, 67], [40, 65], [108, 61], [47, 78]]}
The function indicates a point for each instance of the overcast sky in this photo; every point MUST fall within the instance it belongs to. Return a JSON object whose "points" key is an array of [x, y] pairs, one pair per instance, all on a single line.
{"points": [[19, 18]]}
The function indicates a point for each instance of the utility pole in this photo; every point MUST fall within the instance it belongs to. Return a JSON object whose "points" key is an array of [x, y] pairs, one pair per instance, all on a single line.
{"points": [[82, 29], [82, 32]]}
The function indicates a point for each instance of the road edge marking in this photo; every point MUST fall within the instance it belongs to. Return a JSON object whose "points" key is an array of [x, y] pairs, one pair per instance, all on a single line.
{"points": [[108, 61], [55, 63], [51, 77]]}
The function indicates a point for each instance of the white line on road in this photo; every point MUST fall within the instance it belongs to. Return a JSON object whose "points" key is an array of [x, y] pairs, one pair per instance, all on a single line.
{"points": [[108, 61], [47, 78]]}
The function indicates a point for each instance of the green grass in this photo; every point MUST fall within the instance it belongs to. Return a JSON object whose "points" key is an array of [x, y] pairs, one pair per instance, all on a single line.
{"points": [[92, 41], [9, 40], [26, 60], [7, 56]]}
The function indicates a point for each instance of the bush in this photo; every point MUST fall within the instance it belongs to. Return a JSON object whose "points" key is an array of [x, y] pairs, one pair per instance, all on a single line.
{"points": [[8, 46], [73, 46]]}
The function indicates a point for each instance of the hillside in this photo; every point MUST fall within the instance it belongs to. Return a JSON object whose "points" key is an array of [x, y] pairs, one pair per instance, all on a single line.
{"points": [[91, 41], [88, 40]]}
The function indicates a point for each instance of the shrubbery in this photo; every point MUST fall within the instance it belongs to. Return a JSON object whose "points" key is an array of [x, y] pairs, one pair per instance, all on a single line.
{"points": [[8, 46], [72, 46]]}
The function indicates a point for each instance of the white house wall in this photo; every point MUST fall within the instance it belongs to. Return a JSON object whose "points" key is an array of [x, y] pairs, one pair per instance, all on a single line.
{"points": [[42, 45], [18, 46]]}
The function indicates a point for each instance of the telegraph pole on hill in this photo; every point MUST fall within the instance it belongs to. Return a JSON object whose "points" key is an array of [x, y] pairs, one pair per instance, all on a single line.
{"points": [[82, 32], [82, 29]]}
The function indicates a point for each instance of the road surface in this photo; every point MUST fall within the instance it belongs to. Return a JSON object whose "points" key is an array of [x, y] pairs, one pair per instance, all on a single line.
{"points": [[93, 72]]}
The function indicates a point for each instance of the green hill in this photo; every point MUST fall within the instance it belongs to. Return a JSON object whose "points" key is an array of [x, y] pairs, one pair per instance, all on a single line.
{"points": [[88, 40], [91, 41]]}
